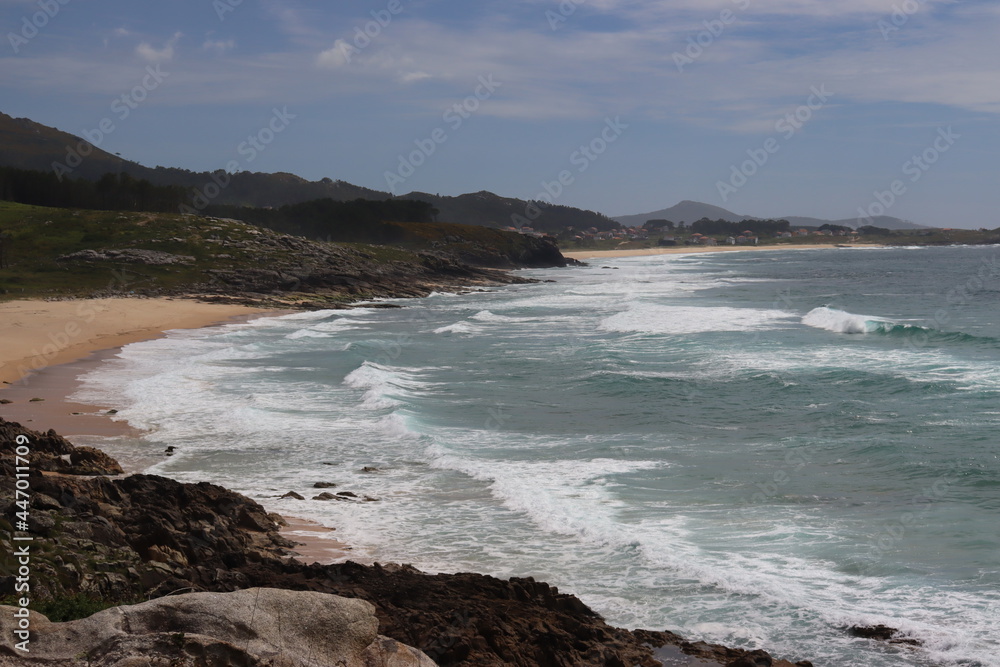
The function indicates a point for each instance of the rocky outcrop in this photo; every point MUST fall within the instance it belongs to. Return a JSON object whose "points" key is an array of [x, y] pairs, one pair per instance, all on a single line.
{"points": [[119, 540], [128, 256], [258, 627], [53, 453]]}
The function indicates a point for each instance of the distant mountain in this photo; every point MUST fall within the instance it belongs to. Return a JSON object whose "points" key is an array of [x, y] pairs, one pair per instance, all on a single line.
{"points": [[883, 221], [687, 211], [25, 144], [690, 211]]}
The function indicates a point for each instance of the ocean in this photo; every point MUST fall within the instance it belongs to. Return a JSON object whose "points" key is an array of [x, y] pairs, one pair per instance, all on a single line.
{"points": [[754, 448]]}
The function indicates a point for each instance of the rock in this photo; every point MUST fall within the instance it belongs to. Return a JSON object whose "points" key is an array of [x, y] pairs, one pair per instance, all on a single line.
{"points": [[292, 494], [882, 633], [347, 494], [255, 627], [52, 453], [324, 485], [752, 659], [111, 412], [127, 539], [36, 400], [5, 401], [128, 256], [325, 496]]}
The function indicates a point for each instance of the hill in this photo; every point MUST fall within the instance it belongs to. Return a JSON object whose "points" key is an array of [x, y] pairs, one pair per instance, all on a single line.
{"points": [[883, 221], [25, 144], [54, 252], [491, 210], [688, 211]]}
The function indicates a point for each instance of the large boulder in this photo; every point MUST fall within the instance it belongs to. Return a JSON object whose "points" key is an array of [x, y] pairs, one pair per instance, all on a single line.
{"points": [[257, 627]]}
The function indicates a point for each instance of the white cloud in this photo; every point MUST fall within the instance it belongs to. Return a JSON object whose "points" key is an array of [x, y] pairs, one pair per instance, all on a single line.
{"points": [[219, 46], [339, 55], [148, 52], [410, 77]]}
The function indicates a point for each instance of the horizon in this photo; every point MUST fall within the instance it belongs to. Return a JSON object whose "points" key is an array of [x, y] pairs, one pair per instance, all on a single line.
{"points": [[767, 108]]}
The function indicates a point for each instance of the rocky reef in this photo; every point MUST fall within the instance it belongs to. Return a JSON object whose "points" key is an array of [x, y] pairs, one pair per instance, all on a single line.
{"points": [[108, 542]]}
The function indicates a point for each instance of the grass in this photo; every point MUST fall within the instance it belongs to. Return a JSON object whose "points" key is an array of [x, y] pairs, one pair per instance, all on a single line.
{"points": [[69, 608], [39, 235]]}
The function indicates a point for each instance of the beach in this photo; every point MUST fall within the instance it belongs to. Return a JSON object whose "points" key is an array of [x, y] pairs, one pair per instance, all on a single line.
{"points": [[686, 250], [47, 345], [37, 334]]}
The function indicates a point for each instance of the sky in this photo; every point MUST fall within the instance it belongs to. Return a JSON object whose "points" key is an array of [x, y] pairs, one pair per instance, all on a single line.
{"points": [[770, 108]]}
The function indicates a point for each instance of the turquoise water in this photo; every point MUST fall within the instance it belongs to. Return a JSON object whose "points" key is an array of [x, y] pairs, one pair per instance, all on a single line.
{"points": [[753, 448]]}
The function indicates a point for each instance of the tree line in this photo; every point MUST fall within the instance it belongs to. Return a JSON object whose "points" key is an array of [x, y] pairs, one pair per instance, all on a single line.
{"points": [[359, 220], [111, 192], [758, 227]]}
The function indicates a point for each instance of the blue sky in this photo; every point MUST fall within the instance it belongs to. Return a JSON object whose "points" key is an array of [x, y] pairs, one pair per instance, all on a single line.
{"points": [[699, 93]]}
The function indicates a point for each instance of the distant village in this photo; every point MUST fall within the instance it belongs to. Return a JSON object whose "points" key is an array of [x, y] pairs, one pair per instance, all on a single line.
{"points": [[668, 234]]}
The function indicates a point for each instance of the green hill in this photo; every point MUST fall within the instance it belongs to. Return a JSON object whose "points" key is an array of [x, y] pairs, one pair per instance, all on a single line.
{"points": [[53, 252]]}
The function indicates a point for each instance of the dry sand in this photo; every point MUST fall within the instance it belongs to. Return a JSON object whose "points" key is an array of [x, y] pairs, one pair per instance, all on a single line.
{"points": [[684, 250], [36, 334]]}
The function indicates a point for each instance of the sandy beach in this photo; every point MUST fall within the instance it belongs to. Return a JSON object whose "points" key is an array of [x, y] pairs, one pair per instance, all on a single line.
{"points": [[686, 250], [37, 334], [47, 345]]}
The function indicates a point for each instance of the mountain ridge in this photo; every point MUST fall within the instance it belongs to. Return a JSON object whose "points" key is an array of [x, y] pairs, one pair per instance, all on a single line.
{"points": [[689, 211], [27, 144]]}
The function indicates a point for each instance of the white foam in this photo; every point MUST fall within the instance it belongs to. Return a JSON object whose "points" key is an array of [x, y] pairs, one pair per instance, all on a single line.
{"points": [[487, 316], [383, 386], [560, 497], [457, 328], [651, 318], [840, 321]]}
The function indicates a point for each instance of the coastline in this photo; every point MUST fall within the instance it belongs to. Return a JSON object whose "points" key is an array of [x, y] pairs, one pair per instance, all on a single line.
{"points": [[314, 544], [40, 334], [687, 250], [83, 334]]}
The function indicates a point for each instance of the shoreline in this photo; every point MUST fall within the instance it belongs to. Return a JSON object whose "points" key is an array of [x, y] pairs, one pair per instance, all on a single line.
{"points": [[315, 543], [41, 398], [40, 334], [687, 250]]}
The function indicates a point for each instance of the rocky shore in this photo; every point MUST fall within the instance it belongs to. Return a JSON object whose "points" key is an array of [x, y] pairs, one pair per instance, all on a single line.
{"points": [[101, 541]]}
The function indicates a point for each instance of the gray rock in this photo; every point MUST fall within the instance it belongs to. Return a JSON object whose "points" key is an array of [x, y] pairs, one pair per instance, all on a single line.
{"points": [[256, 627], [128, 256]]}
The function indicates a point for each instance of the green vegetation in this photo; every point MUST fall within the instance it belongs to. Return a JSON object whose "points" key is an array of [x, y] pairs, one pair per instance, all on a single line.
{"points": [[112, 192], [39, 236], [721, 227], [360, 220], [72, 607]]}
